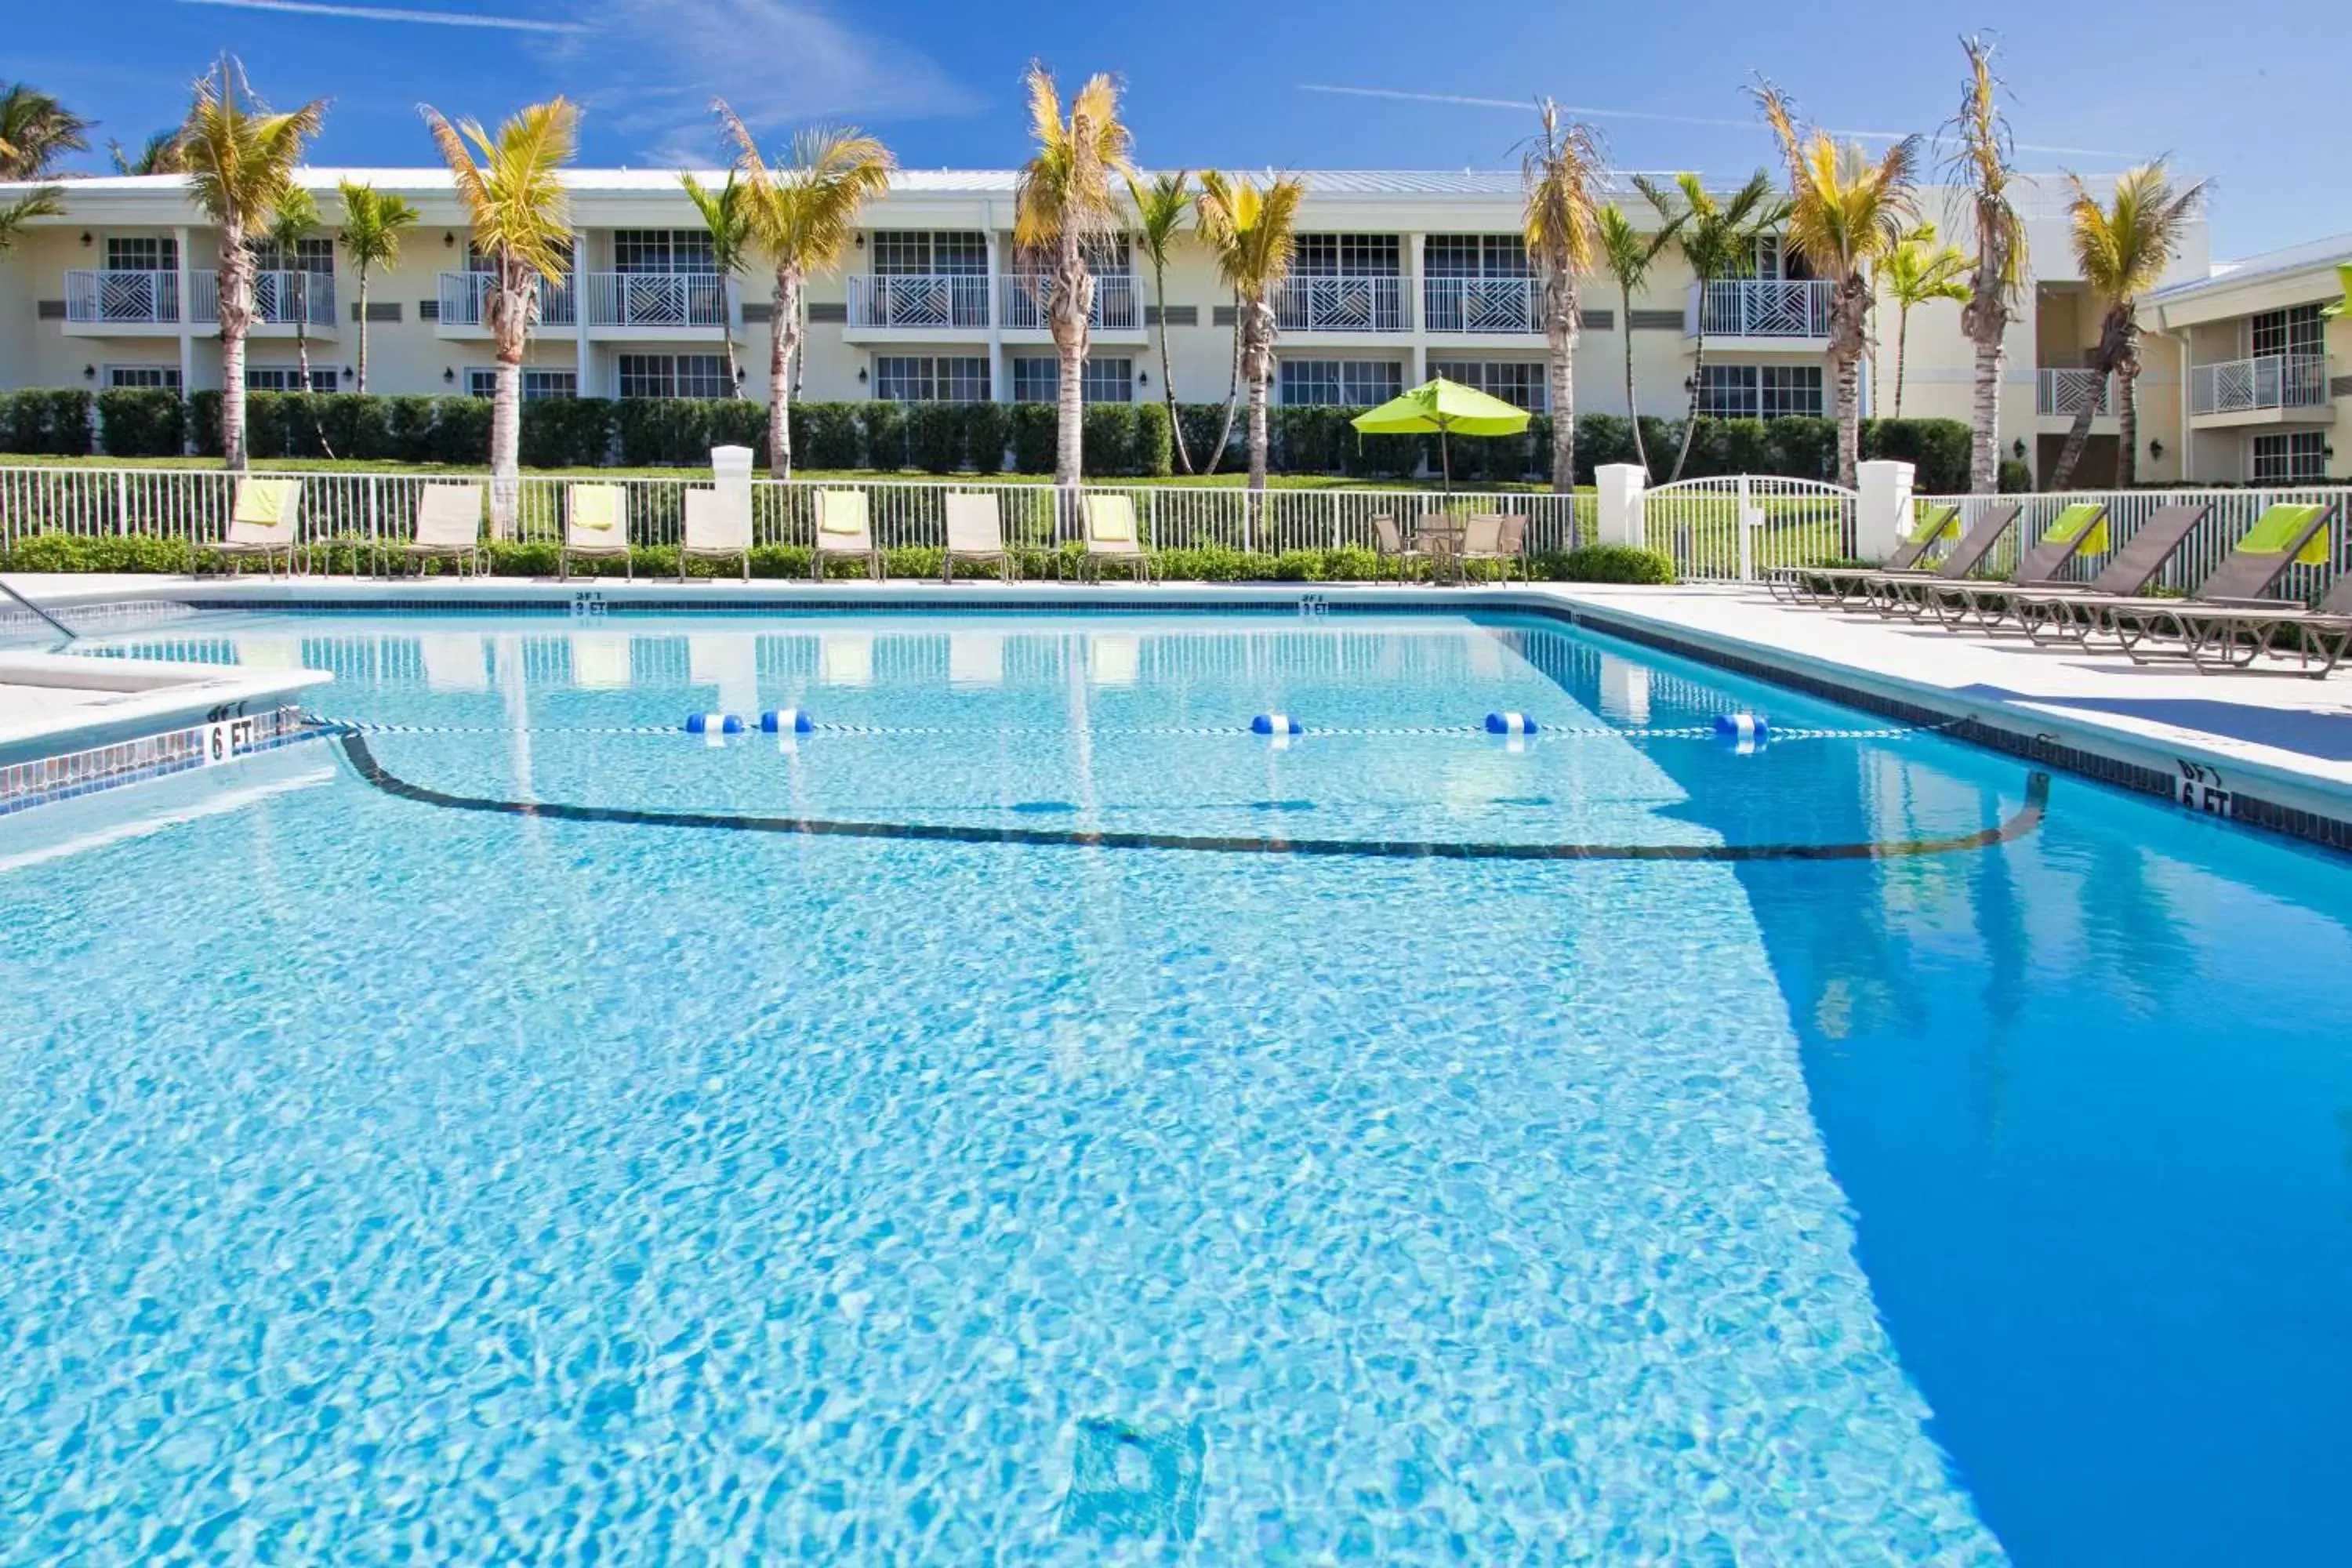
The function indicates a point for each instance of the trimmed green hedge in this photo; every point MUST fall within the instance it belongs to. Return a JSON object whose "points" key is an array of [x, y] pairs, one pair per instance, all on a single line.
{"points": [[44, 422], [141, 422], [1208, 563]]}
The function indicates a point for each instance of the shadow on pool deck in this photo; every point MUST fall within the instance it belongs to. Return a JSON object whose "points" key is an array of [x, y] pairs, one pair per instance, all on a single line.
{"points": [[2324, 736]]}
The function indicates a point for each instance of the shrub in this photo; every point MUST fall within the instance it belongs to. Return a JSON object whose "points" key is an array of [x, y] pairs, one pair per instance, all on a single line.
{"points": [[884, 424], [142, 422], [934, 436], [1937, 448], [1605, 563], [987, 427], [1107, 438], [408, 429], [204, 422], [2016, 479], [1034, 437], [45, 422], [1153, 451], [1202, 421], [567, 432], [827, 435], [459, 432]]}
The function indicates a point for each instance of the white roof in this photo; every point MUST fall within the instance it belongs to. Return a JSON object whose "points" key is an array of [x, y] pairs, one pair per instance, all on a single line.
{"points": [[2310, 256]]}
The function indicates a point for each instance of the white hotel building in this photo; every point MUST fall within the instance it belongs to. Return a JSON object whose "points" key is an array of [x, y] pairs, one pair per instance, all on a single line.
{"points": [[1399, 276]]}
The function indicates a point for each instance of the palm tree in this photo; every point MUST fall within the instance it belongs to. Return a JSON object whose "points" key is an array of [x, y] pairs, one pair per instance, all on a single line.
{"points": [[1160, 210], [1718, 240], [1915, 271], [47, 201], [1627, 255], [294, 219], [1560, 169], [160, 155], [521, 219], [1846, 211], [1980, 165], [35, 131], [2122, 250], [727, 214], [1064, 211], [373, 222], [1254, 235], [803, 213], [240, 163]]}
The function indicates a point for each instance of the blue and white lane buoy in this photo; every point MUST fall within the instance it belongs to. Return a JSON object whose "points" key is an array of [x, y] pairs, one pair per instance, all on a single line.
{"points": [[1745, 733], [714, 723], [1509, 724], [1276, 724], [785, 721]]}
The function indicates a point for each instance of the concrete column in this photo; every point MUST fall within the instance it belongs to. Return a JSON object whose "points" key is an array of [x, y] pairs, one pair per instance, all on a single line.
{"points": [[1620, 503], [1000, 372], [585, 359], [731, 467], [1882, 515], [187, 327]]}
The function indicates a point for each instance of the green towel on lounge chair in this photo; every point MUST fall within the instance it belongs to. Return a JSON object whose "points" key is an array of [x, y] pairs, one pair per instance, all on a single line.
{"points": [[2074, 520], [1934, 523], [2276, 529]]}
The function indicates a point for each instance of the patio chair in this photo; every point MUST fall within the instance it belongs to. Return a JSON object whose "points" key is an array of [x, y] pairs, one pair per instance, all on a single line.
{"points": [[1497, 536], [976, 533], [1894, 592], [2079, 529], [845, 526], [1828, 584], [449, 527], [718, 528], [1389, 541], [1112, 540], [2317, 639], [2041, 611], [2227, 623], [596, 528], [1440, 535], [261, 522]]}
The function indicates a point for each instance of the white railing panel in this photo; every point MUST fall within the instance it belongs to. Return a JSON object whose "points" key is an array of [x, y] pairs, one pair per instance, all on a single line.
{"points": [[656, 300], [1481, 304], [1025, 304], [281, 298], [1742, 527], [1766, 308], [2063, 392], [465, 301], [2269, 381], [935, 300], [1342, 304], [121, 296]]}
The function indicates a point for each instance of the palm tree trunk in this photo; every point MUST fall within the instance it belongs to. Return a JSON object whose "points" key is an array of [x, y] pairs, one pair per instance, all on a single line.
{"points": [[1848, 396], [1258, 362], [783, 337], [1633, 410], [362, 334], [1984, 414], [1562, 324], [1902, 341], [518, 297], [236, 315], [1698, 380], [2127, 423], [1168, 380]]}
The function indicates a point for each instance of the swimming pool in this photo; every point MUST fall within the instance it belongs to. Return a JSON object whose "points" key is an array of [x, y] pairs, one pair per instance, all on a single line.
{"points": [[391, 1175]]}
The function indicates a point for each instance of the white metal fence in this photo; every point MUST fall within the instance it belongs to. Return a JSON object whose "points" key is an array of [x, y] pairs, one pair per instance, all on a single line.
{"points": [[1739, 528], [1766, 308], [465, 301], [1342, 304], [2067, 392], [2271, 381]]}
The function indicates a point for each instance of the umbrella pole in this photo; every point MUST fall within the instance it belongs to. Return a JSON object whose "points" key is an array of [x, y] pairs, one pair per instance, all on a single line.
{"points": [[1444, 457]]}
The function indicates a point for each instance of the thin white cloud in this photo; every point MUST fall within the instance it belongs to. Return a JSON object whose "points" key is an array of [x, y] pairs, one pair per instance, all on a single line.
{"points": [[1591, 112], [400, 13]]}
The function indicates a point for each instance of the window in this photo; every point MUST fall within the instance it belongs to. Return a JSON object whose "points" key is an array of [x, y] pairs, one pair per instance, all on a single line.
{"points": [[662, 250], [2299, 332], [1475, 256], [2294, 457], [289, 378], [1037, 378], [141, 254], [927, 378], [1348, 383], [537, 384], [1776, 260], [920, 253], [307, 256], [166, 376], [476, 262], [1761, 392], [1348, 255], [675, 375], [1523, 383]]}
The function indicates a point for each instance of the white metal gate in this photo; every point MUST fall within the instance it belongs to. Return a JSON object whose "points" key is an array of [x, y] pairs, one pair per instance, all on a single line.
{"points": [[1738, 528]]}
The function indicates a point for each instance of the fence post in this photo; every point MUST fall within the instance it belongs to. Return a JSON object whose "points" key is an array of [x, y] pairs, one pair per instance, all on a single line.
{"points": [[1745, 519], [1619, 511], [122, 502], [1883, 507]]}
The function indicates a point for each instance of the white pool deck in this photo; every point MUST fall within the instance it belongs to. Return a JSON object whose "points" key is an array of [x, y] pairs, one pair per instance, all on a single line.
{"points": [[2289, 735]]}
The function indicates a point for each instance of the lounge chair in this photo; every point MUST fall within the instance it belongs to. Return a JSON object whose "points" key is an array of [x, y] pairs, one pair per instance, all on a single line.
{"points": [[718, 528], [2227, 623], [976, 533], [1112, 539], [845, 526], [1389, 542], [261, 522], [595, 527], [2317, 639], [1890, 593], [1981, 607], [1829, 584], [2044, 611], [1497, 536], [449, 527]]}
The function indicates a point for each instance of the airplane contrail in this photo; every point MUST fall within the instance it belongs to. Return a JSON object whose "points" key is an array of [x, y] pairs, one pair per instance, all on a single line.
{"points": [[399, 14]]}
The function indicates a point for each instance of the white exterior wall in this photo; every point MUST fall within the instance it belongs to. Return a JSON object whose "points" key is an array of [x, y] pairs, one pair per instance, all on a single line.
{"points": [[415, 356]]}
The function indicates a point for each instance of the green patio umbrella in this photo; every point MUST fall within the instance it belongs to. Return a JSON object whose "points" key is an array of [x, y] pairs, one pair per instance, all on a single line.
{"points": [[1447, 408]]}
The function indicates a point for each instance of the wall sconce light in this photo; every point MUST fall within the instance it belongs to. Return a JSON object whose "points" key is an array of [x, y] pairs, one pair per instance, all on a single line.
{"points": [[448, 375], [348, 375], [861, 376], [1143, 378], [448, 239], [85, 239], [89, 372], [2017, 449], [2156, 450], [860, 240]]}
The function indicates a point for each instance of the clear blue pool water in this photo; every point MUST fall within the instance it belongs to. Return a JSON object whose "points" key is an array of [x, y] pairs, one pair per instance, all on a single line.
{"points": [[381, 1182]]}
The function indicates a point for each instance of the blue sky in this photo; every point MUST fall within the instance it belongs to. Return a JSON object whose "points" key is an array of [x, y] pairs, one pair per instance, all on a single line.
{"points": [[2229, 92]]}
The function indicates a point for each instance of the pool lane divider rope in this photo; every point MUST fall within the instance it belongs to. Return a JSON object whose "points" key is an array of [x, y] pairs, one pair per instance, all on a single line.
{"points": [[2024, 821], [1586, 731]]}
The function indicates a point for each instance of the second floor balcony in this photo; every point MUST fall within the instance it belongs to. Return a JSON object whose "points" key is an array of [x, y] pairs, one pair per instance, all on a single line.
{"points": [[117, 297], [1328, 303], [281, 298], [465, 301], [1481, 304], [937, 301], [2064, 392], [2268, 382], [1765, 308], [656, 300], [1027, 304], [122, 297]]}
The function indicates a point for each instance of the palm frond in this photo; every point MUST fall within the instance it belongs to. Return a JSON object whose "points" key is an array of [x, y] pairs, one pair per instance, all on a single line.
{"points": [[240, 157], [1251, 232], [511, 184], [35, 131], [803, 211], [1067, 193], [1561, 170], [373, 224], [47, 201], [2124, 246]]}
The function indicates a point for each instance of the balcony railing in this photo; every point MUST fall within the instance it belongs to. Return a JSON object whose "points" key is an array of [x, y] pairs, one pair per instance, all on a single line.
{"points": [[657, 300], [1766, 308], [465, 301], [2066, 392], [937, 299], [124, 297], [280, 298], [2271, 381], [1481, 304], [1026, 303], [1342, 304]]}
